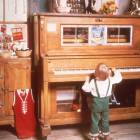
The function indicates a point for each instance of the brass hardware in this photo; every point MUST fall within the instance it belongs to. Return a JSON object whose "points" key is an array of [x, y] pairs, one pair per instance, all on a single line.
{"points": [[5, 89], [98, 20], [26, 67], [1, 76], [1, 104]]}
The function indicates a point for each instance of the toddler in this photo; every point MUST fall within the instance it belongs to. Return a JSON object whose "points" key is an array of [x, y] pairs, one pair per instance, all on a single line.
{"points": [[100, 87]]}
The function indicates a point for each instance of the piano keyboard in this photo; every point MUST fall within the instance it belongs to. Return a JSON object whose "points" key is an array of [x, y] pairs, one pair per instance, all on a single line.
{"points": [[88, 71]]}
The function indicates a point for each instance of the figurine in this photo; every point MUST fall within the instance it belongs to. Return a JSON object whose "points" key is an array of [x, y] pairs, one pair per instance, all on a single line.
{"points": [[137, 9], [89, 6], [133, 8]]}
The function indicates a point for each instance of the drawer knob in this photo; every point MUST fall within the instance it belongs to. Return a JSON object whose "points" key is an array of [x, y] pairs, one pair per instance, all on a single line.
{"points": [[26, 67]]}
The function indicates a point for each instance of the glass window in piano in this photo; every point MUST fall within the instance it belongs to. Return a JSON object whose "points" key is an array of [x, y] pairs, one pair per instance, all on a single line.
{"points": [[112, 35], [124, 36], [69, 35], [119, 35], [97, 35], [74, 36], [82, 35], [93, 35], [68, 99]]}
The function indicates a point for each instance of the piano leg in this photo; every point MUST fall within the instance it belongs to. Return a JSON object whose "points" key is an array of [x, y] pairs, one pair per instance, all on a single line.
{"points": [[45, 131]]}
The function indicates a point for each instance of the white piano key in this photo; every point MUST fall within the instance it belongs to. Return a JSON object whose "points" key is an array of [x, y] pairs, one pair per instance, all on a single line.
{"points": [[88, 71]]}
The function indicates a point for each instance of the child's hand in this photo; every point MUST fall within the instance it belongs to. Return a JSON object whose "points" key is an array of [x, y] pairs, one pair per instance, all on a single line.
{"points": [[87, 78], [113, 70]]}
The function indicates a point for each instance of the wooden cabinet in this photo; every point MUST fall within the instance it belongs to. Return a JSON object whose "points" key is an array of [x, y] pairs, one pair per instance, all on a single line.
{"points": [[14, 74], [69, 43], [2, 104]]}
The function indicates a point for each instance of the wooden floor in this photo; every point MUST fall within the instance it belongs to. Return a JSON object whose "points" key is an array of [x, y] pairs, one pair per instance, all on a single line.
{"points": [[122, 130]]}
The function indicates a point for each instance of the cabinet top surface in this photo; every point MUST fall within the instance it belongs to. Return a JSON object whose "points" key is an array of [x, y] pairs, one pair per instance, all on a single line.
{"points": [[15, 59], [85, 15]]}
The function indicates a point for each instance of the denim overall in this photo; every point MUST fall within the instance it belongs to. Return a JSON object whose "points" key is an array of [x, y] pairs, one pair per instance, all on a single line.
{"points": [[100, 106]]}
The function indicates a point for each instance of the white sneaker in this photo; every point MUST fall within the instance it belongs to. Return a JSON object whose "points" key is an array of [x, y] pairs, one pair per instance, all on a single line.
{"points": [[93, 135], [90, 134]]}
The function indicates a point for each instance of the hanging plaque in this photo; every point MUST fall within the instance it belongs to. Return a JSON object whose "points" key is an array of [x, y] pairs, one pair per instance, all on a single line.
{"points": [[17, 33]]}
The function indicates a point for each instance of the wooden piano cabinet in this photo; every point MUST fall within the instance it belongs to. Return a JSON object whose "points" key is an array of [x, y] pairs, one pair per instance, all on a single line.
{"points": [[66, 42], [15, 73]]}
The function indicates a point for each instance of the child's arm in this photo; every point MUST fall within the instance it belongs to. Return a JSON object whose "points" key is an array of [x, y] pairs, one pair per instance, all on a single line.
{"points": [[86, 86], [117, 76], [87, 78]]}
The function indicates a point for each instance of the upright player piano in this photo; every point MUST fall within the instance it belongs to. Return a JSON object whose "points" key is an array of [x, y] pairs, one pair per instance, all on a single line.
{"points": [[67, 47]]}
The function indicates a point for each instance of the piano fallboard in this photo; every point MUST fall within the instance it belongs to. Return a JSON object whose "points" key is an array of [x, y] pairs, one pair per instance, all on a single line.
{"points": [[81, 77]]}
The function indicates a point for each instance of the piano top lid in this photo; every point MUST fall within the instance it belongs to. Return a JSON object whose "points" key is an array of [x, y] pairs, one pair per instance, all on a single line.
{"points": [[84, 15]]}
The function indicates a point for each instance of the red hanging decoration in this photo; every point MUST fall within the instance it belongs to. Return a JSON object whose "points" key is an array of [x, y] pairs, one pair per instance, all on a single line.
{"points": [[17, 33], [3, 28]]}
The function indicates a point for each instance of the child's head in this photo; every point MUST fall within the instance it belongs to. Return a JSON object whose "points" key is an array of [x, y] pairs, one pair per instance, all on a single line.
{"points": [[101, 72]]}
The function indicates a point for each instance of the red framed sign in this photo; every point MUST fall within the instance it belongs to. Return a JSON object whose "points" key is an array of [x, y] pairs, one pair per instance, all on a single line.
{"points": [[17, 33]]}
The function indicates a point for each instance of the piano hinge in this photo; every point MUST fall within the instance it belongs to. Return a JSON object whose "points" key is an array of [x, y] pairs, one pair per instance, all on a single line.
{"points": [[5, 89], [1, 104]]}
